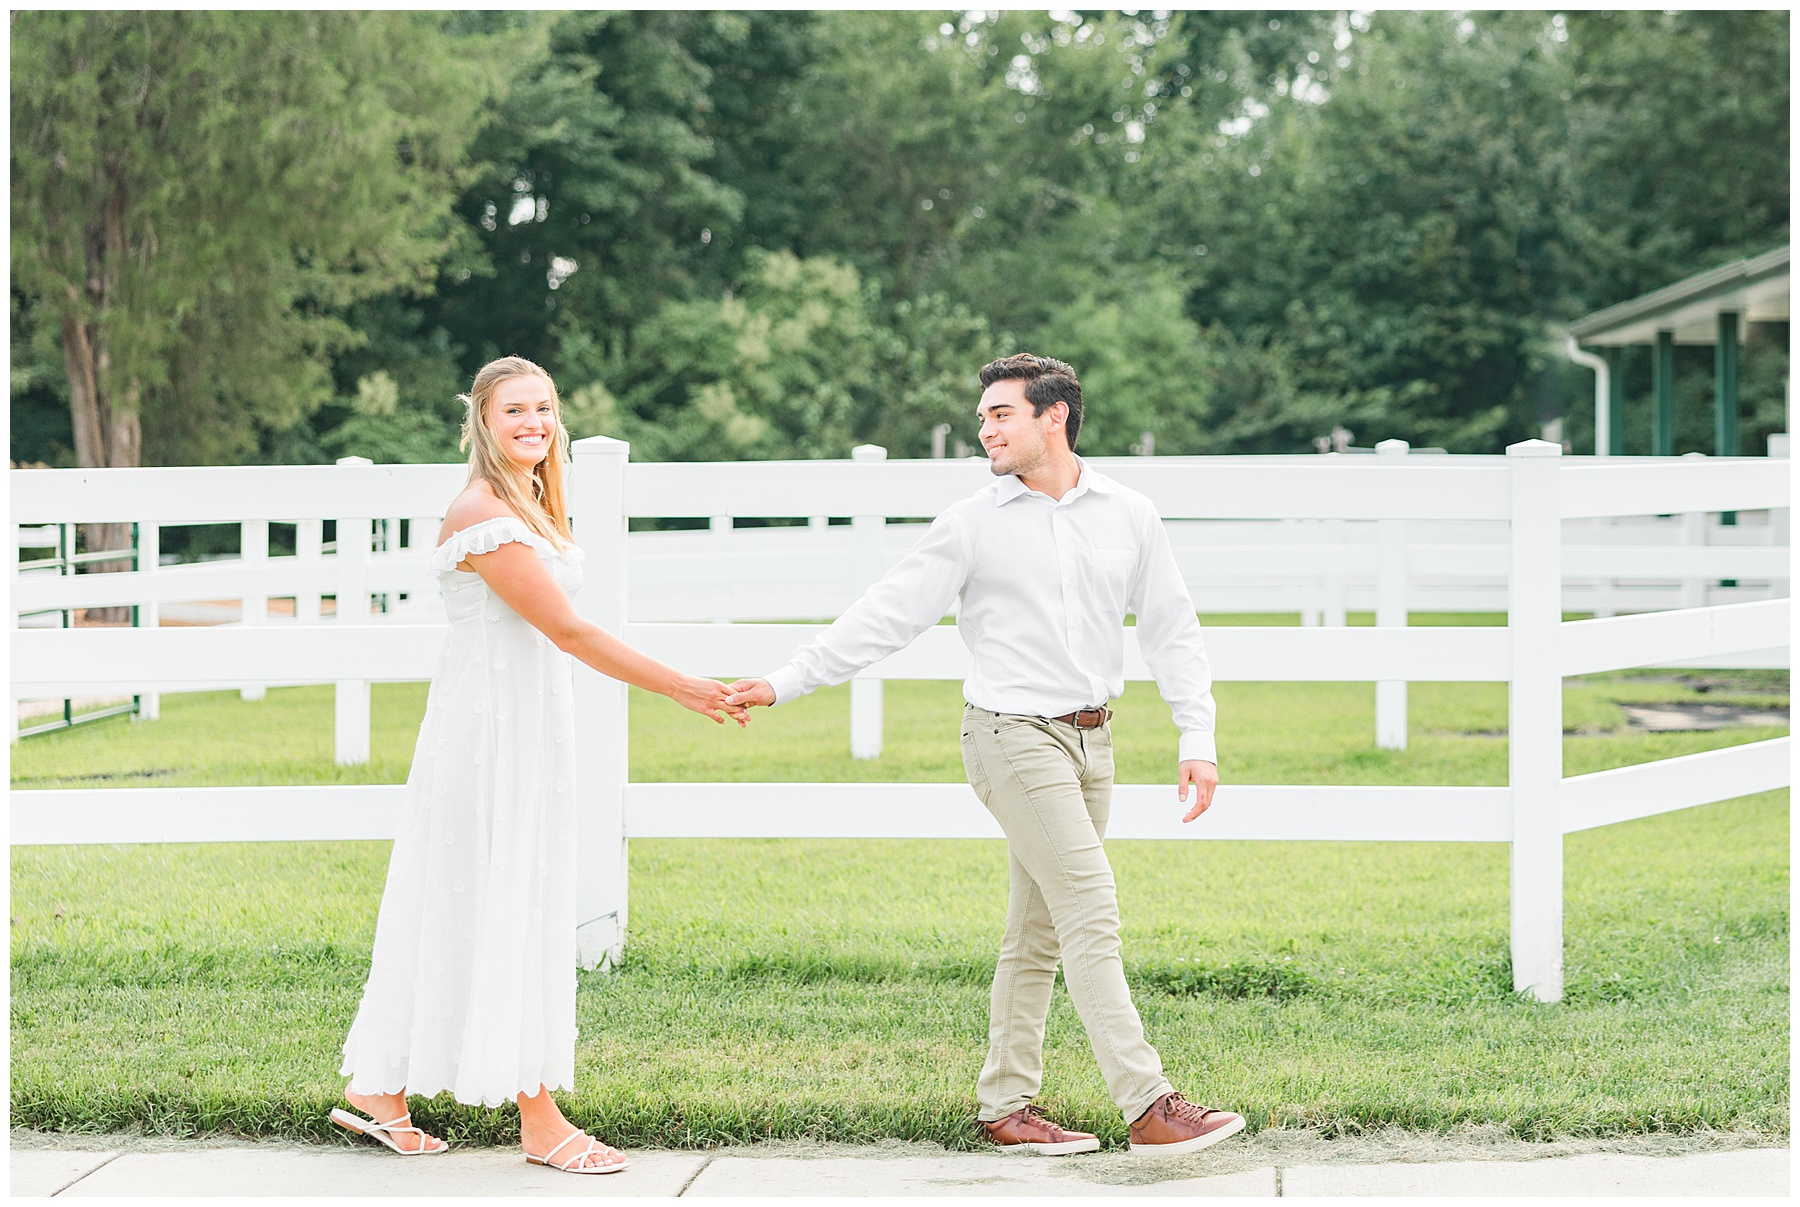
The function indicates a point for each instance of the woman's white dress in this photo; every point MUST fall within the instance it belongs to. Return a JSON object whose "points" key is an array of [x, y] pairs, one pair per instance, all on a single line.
{"points": [[472, 984]]}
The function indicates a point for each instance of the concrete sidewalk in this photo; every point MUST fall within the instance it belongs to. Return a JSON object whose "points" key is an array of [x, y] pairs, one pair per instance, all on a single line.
{"points": [[49, 1165]]}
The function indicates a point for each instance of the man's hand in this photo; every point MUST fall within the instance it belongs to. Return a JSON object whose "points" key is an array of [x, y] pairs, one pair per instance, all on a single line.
{"points": [[1202, 775], [751, 693]]}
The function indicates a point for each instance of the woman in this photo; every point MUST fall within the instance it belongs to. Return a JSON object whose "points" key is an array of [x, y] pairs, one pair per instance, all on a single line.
{"points": [[472, 984]]}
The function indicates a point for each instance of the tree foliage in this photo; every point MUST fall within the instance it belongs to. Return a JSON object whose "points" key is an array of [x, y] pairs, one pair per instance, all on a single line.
{"points": [[776, 234], [198, 196]]}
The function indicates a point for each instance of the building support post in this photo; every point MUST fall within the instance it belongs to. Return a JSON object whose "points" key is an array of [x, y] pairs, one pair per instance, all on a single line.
{"points": [[1725, 387], [1725, 395], [1615, 402], [1662, 389]]}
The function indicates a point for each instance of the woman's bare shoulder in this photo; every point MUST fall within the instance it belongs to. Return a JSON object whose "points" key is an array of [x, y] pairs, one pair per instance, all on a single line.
{"points": [[473, 506]]}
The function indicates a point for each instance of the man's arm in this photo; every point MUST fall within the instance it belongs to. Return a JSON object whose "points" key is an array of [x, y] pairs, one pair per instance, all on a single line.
{"points": [[909, 599], [1168, 633]]}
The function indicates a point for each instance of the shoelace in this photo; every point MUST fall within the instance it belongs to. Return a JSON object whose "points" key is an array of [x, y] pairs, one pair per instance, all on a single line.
{"points": [[1035, 1113], [1181, 1108]]}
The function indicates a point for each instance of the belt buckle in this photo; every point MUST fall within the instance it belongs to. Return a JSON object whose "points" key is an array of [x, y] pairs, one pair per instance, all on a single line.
{"points": [[1090, 718]]}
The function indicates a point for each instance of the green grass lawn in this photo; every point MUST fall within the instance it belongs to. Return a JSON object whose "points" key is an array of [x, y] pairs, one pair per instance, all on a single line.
{"points": [[838, 989]]}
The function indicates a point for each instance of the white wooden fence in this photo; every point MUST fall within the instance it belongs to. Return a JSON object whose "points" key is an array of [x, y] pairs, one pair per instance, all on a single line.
{"points": [[702, 591]]}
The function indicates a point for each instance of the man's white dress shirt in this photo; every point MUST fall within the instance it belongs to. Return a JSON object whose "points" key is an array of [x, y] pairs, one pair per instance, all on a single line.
{"points": [[1043, 587]]}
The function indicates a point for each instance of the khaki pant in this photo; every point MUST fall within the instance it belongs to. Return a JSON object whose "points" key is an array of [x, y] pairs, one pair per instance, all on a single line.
{"points": [[1049, 785]]}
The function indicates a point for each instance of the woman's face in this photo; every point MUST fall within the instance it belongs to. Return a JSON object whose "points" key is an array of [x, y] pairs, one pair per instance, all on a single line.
{"points": [[523, 419]]}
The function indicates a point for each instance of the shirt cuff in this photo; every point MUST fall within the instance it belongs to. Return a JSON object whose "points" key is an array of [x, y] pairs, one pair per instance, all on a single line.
{"points": [[1199, 745], [785, 682]]}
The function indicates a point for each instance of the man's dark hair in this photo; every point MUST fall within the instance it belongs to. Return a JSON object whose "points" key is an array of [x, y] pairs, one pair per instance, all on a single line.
{"points": [[1046, 381]]}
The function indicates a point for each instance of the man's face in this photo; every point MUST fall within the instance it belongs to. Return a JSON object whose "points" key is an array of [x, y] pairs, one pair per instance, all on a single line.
{"points": [[1017, 441]]}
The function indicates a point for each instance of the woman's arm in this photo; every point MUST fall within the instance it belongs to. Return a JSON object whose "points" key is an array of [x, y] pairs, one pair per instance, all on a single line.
{"points": [[518, 575]]}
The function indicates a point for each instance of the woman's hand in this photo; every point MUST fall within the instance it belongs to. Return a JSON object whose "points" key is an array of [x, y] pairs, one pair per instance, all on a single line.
{"points": [[708, 698]]}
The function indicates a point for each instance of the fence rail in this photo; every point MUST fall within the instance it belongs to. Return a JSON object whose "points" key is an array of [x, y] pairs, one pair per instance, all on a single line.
{"points": [[193, 659], [771, 810], [1525, 534]]}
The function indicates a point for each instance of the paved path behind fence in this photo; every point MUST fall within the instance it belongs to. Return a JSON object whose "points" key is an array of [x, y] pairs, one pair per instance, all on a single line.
{"points": [[53, 1166]]}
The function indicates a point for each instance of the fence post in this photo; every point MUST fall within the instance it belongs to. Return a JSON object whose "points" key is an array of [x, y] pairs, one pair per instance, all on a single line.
{"points": [[1608, 588], [13, 577], [1778, 516], [352, 703], [866, 694], [1693, 532], [723, 599], [1334, 615], [1534, 719], [253, 550], [309, 554], [149, 612], [421, 538], [603, 747], [1312, 594], [1390, 612]]}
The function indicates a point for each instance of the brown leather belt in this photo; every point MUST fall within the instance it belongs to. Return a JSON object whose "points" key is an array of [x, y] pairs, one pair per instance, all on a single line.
{"points": [[1086, 718]]}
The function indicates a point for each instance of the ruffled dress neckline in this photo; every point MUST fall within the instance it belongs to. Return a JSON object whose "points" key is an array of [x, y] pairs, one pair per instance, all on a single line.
{"points": [[487, 536]]}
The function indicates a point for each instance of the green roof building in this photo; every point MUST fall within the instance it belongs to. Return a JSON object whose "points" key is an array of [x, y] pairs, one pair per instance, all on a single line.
{"points": [[1711, 307]]}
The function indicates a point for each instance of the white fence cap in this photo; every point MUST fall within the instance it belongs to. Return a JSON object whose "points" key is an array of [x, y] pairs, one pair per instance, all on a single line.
{"points": [[1534, 448]]}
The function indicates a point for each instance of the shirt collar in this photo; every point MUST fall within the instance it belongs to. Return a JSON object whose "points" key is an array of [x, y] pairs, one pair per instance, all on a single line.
{"points": [[1011, 487]]}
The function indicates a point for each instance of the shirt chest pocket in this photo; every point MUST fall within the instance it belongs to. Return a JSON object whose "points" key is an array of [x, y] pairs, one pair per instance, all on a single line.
{"points": [[1107, 574]]}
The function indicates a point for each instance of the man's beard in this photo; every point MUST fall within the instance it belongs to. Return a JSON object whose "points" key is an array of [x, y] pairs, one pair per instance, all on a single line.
{"points": [[1020, 465]]}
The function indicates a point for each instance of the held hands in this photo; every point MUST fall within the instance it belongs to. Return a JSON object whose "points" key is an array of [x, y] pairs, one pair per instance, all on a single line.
{"points": [[709, 698], [1204, 777], [746, 694], [751, 693]]}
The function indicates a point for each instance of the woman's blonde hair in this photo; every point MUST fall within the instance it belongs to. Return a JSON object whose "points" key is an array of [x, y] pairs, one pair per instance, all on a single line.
{"points": [[537, 497]]}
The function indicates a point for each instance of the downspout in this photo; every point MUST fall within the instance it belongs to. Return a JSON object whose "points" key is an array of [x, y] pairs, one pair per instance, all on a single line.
{"points": [[1602, 413]]}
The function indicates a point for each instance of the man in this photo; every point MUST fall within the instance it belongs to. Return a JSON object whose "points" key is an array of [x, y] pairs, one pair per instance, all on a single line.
{"points": [[1046, 561]]}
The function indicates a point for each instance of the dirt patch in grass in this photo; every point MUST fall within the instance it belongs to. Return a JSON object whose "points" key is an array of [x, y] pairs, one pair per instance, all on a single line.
{"points": [[1686, 718]]}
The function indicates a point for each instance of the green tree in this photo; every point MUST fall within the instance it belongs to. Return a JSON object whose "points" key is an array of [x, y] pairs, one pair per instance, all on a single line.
{"points": [[1144, 367], [398, 401], [589, 211], [1395, 217], [927, 359], [776, 368], [800, 359], [198, 195], [1679, 121]]}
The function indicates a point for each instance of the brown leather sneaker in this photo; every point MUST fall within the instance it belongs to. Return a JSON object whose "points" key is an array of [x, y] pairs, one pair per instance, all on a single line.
{"points": [[1027, 1131], [1175, 1125]]}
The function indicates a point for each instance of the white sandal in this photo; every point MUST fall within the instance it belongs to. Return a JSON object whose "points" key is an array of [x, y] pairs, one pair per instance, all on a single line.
{"points": [[574, 1163], [385, 1131]]}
